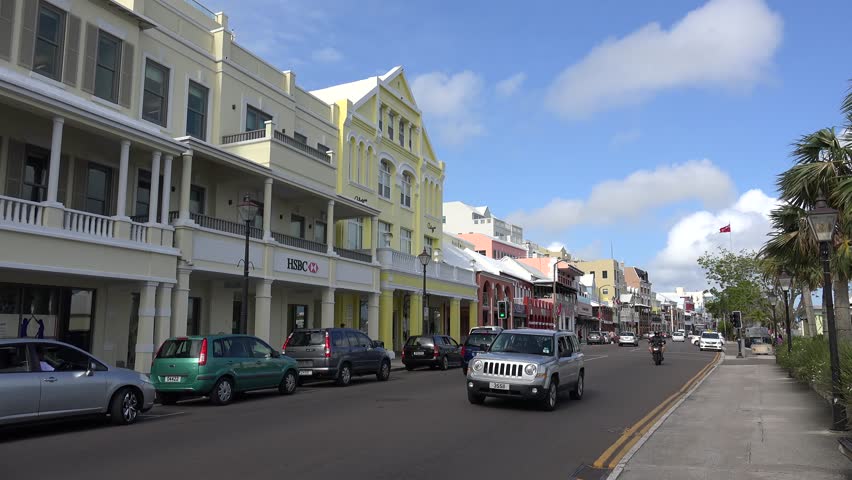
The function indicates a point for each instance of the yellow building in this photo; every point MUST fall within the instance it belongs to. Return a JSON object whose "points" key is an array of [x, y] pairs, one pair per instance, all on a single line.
{"points": [[387, 162]]}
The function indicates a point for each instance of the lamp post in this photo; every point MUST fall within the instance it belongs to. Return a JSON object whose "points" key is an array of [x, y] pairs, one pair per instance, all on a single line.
{"points": [[247, 210], [557, 262], [425, 258], [785, 280], [773, 301], [823, 220]]}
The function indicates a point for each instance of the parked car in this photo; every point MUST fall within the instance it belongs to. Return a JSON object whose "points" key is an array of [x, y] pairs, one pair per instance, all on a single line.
{"points": [[219, 366], [678, 337], [693, 338], [337, 354], [431, 351], [711, 341], [528, 364], [627, 338], [486, 328], [762, 346], [597, 338], [473, 345], [46, 379]]}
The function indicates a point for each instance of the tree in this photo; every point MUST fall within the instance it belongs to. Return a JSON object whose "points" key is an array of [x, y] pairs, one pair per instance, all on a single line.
{"points": [[737, 283]]}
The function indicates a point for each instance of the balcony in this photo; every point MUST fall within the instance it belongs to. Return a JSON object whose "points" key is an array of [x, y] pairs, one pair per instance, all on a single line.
{"points": [[354, 255], [407, 263]]}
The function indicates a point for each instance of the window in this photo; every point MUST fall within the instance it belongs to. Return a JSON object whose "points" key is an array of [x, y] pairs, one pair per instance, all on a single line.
{"points": [[384, 180], [300, 138], [605, 274], [605, 291], [428, 244], [53, 357], [98, 182], [405, 192], [155, 99], [143, 192], [355, 233], [50, 33], [196, 111], [13, 359], [297, 226], [381, 123], [401, 133], [196, 199], [259, 349], [107, 69], [320, 230], [338, 339], [193, 316], [409, 141], [384, 234], [255, 119], [34, 185], [390, 126], [364, 341], [322, 148], [405, 241]]}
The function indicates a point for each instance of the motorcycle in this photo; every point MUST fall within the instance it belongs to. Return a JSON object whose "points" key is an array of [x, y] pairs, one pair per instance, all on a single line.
{"points": [[656, 353]]}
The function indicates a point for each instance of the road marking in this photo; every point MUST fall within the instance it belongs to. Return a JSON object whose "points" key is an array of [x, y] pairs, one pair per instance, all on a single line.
{"points": [[586, 359], [149, 416], [632, 434]]}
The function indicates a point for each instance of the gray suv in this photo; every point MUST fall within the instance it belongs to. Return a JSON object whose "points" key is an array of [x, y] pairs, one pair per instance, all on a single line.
{"points": [[528, 364], [337, 353]]}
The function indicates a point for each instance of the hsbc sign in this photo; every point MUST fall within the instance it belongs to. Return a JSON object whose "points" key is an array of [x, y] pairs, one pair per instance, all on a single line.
{"points": [[302, 265], [297, 264]]}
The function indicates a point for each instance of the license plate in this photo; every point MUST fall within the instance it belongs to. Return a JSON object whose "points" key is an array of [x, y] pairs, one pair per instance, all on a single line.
{"points": [[418, 354], [498, 386], [306, 373], [172, 379]]}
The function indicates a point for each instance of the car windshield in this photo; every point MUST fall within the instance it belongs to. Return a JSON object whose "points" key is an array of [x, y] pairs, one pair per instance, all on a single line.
{"points": [[303, 339], [180, 348], [523, 343], [478, 339], [714, 336]]}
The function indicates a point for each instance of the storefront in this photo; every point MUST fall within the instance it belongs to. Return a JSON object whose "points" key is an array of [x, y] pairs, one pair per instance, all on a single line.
{"points": [[37, 311]]}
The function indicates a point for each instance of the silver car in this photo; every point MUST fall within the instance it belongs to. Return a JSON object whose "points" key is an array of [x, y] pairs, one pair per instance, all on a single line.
{"points": [[528, 364], [45, 379]]}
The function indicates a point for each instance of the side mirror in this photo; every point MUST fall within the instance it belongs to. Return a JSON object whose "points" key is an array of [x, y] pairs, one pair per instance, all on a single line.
{"points": [[91, 370], [378, 344]]}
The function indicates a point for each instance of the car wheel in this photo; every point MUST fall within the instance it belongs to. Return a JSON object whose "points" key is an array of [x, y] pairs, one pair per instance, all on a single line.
{"points": [[475, 398], [344, 377], [167, 398], [223, 392], [577, 393], [125, 406], [288, 383], [445, 364], [384, 372], [551, 398]]}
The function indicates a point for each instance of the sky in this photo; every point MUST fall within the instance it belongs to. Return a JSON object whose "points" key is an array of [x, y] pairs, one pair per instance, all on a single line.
{"points": [[637, 128]]}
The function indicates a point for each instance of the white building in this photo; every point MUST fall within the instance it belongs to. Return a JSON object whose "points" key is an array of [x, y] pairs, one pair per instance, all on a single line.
{"points": [[460, 217]]}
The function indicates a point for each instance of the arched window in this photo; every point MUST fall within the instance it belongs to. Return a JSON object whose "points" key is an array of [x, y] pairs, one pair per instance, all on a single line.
{"points": [[360, 164], [405, 192], [384, 180]]}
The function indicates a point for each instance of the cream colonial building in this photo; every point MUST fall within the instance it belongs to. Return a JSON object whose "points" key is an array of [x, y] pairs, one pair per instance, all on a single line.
{"points": [[388, 163], [131, 130]]}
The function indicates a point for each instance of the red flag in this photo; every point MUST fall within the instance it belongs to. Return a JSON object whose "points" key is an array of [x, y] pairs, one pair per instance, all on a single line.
{"points": [[725, 229]]}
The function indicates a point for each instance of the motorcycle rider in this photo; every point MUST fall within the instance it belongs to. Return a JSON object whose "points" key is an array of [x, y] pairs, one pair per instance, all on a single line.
{"points": [[657, 341]]}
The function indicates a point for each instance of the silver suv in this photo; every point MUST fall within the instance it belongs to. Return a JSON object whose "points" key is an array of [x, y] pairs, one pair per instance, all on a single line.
{"points": [[528, 364]]}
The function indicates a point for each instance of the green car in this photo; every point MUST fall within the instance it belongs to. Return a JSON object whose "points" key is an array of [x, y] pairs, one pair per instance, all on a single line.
{"points": [[219, 366]]}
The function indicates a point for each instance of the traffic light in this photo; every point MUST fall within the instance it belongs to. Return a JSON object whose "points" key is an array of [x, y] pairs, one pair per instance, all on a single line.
{"points": [[502, 310], [737, 319]]}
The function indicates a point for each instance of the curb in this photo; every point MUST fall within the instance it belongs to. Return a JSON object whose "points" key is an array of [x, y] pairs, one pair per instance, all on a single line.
{"points": [[616, 472]]}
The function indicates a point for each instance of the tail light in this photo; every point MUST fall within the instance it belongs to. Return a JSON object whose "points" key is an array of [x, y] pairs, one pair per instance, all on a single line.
{"points": [[436, 353], [403, 353], [287, 342], [462, 351], [202, 356], [327, 345]]}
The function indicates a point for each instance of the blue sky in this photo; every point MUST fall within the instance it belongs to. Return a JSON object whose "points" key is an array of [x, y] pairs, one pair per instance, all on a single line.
{"points": [[646, 124]]}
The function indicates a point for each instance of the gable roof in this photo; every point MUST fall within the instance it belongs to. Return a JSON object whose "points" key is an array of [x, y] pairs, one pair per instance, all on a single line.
{"points": [[357, 90]]}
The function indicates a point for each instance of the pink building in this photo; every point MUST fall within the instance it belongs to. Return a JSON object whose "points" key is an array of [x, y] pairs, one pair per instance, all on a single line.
{"points": [[493, 248]]}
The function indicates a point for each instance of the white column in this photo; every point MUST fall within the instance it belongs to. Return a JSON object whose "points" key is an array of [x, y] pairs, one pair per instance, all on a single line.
{"points": [[55, 153], [123, 159], [374, 234], [263, 309], [373, 317], [155, 187], [327, 313], [145, 330], [180, 300], [167, 190], [185, 186], [267, 209], [163, 315], [329, 229]]}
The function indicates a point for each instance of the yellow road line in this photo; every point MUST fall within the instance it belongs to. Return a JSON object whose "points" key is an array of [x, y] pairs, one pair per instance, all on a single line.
{"points": [[632, 434]]}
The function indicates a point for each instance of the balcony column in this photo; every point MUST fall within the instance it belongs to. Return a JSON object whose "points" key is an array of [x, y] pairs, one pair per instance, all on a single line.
{"points": [[374, 236], [267, 209], [327, 312], [180, 300], [329, 228], [455, 318], [55, 154], [185, 186], [163, 315], [263, 309], [473, 315], [373, 316], [155, 187], [123, 160], [167, 190], [145, 330], [415, 314]]}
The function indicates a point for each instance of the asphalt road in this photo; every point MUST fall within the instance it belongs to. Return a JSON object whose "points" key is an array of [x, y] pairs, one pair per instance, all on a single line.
{"points": [[419, 425]]}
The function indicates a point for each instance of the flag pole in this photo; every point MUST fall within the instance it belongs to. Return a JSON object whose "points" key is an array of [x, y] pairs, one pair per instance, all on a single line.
{"points": [[731, 235]]}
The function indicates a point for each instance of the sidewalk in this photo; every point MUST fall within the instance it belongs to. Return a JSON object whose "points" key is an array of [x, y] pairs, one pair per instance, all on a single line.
{"points": [[748, 420]]}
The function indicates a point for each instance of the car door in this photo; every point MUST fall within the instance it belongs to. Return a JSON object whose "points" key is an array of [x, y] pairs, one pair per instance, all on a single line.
{"points": [[576, 358], [72, 382], [566, 351], [372, 356], [20, 383], [244, 366], [267, 368], [357, 352], [455, 350]]}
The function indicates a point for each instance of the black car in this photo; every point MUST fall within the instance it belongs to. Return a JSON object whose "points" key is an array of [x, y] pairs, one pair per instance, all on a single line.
{"points": [[431, 351]]}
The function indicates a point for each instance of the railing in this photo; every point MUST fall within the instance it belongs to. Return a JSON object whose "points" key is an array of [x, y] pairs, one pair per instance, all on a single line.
{"points": [[20, 211], [88, 223], [354, 255], [138, 232], [201, 8], [314, 152], [404, 260], [245, 136], [225, 225], [299, 243], [139, 218]]}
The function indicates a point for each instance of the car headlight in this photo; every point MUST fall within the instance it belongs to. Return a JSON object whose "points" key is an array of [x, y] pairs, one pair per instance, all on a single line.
{"points": [[477, 365], [530, 369], [144, 377]]}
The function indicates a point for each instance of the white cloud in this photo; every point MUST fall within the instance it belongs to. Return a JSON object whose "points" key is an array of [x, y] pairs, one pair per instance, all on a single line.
{"points": [[327, 55], [624, 137], [676, 265], [451, 102], [724, 43], [615, 200], [507, 87]]}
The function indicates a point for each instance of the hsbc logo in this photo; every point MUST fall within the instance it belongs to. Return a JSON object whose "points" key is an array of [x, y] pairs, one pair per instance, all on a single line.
{"points": [[302, 265]]}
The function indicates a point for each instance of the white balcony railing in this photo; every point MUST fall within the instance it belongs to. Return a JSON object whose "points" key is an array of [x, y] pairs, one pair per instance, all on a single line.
{"points": [[15, 210], [404, 262], [89, 224], [138, 232]]}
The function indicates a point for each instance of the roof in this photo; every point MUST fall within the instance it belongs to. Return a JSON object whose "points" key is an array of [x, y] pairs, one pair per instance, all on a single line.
{"points": [[484, 263], [354, 91]]}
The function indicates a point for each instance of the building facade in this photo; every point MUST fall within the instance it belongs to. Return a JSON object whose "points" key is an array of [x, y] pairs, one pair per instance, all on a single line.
{"points": [[492, 247], [459, 217]]}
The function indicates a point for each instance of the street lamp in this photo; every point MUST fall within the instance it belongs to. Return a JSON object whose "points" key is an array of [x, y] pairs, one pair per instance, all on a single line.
{"points": [[773, 301], [247, 210], [785, 280], [425, 258], [823, 219]]}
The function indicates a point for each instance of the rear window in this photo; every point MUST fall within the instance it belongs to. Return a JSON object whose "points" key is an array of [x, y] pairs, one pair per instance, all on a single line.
{"points": [[627, 334], [182, 348], [303, 339], [423, 341], [478, 339]]}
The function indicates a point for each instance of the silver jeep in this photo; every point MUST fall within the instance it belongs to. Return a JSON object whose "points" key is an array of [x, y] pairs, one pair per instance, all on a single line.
{"points": [[528, 364]]}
